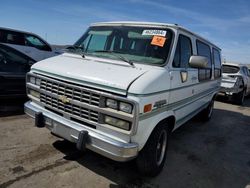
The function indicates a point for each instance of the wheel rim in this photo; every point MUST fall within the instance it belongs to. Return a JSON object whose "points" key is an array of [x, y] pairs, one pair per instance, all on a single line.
{"points": [[161, 147]]}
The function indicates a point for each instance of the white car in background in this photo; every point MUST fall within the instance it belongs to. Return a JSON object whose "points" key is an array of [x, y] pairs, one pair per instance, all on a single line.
{"points": [[29, 44], [235, 82]]}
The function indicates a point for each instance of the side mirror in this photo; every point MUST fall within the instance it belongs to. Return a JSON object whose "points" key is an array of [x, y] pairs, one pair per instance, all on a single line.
{"points": [[198, 61]]}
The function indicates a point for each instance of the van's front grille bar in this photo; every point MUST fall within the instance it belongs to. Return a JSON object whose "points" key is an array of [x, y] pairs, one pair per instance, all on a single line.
{"points": [[77, 94], [70, 108]]}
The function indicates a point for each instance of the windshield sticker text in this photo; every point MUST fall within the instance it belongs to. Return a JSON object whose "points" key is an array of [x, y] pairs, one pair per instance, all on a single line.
{"points": [[155, 32]]}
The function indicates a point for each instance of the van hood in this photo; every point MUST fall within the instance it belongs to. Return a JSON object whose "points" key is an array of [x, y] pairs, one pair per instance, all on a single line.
{"points": [[110, 75]]}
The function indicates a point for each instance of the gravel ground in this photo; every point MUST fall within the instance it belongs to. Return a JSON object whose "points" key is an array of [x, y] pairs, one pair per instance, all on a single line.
{"points": [[212, 154]]}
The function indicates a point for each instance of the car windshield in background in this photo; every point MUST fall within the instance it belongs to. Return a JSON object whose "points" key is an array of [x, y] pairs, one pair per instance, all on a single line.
{"points": [[230, 69], [136, 44]]}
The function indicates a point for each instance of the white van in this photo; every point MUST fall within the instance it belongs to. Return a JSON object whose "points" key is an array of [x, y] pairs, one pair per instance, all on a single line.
{"points": [[124, 87], [27, 43]]}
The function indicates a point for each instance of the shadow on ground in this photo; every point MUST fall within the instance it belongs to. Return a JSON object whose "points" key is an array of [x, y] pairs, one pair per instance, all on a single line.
{"points": [[211, 154]]}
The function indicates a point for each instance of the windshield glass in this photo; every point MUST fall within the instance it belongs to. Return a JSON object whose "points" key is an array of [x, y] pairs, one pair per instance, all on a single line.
{"points": [[137, 44], [230, 69]]}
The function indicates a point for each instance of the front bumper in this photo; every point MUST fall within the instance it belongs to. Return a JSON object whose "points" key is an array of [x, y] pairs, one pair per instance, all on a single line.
{"points": [[104, 145]]}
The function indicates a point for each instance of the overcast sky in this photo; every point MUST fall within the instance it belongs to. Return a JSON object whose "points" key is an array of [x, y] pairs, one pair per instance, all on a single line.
{"points": [[224, 22]]}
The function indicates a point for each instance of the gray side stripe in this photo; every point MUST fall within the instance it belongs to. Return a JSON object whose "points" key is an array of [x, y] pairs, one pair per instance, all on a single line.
{"points": [[177, 105]]}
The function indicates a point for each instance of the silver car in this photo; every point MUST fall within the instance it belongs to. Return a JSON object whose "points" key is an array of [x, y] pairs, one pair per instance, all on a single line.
{"points": [[235, 82]]}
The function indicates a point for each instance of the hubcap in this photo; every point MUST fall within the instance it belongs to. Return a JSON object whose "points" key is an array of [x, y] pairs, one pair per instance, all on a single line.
{"points": [[161, 147]]}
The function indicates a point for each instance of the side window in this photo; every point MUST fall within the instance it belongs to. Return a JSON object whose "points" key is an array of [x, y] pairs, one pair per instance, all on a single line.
{"points": [[183, 52], [204, 50], [12, 61], [35, 42], [14, 38], [217, 63]]}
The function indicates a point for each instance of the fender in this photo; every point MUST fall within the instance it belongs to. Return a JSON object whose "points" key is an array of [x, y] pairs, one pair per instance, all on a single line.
{"points": [[147, 124]]}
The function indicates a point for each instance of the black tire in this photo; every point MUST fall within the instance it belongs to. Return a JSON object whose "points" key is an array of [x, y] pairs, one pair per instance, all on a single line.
{"points": [[151, 158], [239, 98], [206, 114]]}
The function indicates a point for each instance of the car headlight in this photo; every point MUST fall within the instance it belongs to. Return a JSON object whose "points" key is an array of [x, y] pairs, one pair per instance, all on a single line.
{"points": [[125, 107], [38, 81], [34, 93], [111, 103], [117, 123], [117, 105], [34, 80]]}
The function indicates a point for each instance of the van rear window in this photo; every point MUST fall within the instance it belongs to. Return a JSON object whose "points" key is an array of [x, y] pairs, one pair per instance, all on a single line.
{"points": [[230, 69]]}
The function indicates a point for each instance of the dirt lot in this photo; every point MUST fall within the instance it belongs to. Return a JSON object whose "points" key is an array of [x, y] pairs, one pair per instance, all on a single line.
{"points": [[213, 154]]}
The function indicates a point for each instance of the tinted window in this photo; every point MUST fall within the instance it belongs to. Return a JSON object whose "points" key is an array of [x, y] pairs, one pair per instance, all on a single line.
{"points": [[11, 37], [183, 52], [217, 63], [230, 69], [35, 42], [204, 50], [12, 61]]}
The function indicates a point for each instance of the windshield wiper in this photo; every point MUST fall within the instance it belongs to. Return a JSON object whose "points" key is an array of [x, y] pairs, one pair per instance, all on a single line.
{"points": [[117, 55], [75, 49]]}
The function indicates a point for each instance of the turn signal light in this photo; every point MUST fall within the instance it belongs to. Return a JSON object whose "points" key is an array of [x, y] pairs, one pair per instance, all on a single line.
{"points": [[147, 108]]}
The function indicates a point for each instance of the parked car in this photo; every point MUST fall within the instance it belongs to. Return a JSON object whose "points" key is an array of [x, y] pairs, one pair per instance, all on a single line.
{"points": [[124, 87], [28, 43], [235, 82], [13, 68]]}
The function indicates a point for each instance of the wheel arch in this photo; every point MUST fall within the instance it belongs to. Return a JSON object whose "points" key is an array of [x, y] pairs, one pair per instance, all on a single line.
{"points": [[143, 133]]}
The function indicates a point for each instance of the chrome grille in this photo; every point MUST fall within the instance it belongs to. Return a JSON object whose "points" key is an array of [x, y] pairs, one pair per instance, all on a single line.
{"points": [[76, 93], [70, 108]]}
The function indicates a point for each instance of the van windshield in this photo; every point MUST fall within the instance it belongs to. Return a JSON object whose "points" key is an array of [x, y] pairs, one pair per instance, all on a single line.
{"points": [[137, 44]]}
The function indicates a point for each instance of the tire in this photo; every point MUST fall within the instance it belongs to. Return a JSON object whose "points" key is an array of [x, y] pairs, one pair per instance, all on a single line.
{"points": [[206, 114], [239, 97], [151, 158]]}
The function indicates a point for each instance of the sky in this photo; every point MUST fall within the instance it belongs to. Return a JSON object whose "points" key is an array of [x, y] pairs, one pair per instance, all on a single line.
{"points": [[224, 22]]}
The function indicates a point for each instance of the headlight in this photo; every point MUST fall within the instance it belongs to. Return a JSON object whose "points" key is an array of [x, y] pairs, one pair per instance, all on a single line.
{"points": [[34, 93], [32, 80], [38, 81], [122, 106], [117, 123], [125, 107], [112, 104]]}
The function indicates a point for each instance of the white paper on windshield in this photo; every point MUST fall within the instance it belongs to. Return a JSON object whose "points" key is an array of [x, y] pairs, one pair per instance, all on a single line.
{"points": [[155, 32]]}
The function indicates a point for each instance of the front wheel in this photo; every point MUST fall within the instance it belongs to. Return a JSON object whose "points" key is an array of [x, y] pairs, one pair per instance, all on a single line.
{"points": [[152, 157], [206, 114]]}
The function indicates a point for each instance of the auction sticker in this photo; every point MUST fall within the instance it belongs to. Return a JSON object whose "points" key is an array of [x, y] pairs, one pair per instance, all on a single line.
{"points": [[155, 32], [158, 41]]}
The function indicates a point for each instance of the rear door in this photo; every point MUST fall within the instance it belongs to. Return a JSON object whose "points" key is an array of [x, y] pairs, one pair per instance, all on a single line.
{"points": [[13, 68]]}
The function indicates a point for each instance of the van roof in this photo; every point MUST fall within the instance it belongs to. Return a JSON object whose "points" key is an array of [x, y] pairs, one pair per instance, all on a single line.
{"points": [[152, 24]]}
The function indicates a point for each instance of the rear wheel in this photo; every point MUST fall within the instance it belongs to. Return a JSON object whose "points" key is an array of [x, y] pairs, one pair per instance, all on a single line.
{"points": [[152, 157]]}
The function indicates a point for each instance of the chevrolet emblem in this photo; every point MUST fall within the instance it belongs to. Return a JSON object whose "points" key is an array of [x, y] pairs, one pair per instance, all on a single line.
{"points": [[64, 99]]}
